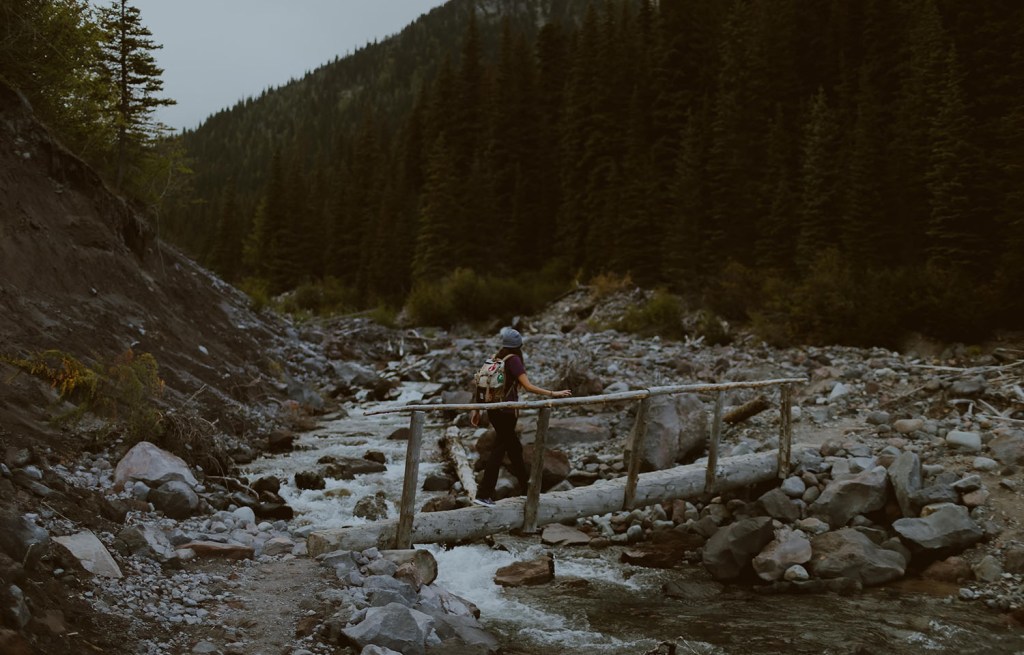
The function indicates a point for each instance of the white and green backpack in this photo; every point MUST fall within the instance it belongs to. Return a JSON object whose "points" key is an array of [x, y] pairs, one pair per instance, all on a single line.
{"points": [[490, 380]]}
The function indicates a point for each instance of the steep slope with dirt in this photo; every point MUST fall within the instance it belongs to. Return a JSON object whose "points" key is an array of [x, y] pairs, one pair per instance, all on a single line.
{"points": [[82, 272]]}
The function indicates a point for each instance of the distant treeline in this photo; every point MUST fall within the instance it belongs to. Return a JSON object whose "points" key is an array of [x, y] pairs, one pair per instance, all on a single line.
{"points": [[832, 171]]}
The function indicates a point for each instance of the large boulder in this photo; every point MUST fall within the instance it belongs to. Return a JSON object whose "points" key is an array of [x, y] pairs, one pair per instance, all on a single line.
{"points": [[843, 499], [906, 478], [21, 539], [948, 528], [90, 553], [789, 548], [569, 431], [555, 467], [152, 465], [677, 425], [175, 499], [848, 553], [730, 550], [393, 626]]}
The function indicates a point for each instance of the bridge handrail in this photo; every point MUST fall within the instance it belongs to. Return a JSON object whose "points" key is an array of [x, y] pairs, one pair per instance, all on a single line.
{"points": [[587, 400], [403, 537]]}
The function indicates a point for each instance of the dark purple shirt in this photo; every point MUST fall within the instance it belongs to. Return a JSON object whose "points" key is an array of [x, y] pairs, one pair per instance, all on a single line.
{"points": [[513, 369]]}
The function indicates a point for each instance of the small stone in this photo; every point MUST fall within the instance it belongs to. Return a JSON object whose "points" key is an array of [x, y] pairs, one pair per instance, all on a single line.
{"points": [[908, 425], [796, 573]]}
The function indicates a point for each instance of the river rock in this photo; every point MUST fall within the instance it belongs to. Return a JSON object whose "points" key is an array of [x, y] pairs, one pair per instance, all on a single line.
{"points": [[908, 425], [557, 534], [786, 550], [175, 499], [950, 527], [154, 466], [778, 505], [905, 475], [146, 541], [384, 589], [1008, 447], [676, 426], [309, 480], [554, 469], [393, 626], [21, 539], [965, 441], [847, 553], [533, 572], [731, 548], [843, 499], [90, 553], [569, 431], [372, 508]]}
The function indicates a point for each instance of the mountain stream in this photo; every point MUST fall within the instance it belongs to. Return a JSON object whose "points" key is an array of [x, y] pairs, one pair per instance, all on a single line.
{"points": [[598, 605]]}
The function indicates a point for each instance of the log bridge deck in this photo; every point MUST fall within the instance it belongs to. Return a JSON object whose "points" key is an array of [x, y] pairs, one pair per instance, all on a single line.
{"points": [[633, 490]]}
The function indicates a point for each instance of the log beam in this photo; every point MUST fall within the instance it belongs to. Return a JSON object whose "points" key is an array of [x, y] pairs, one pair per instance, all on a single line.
{"points": [[599, 498]]}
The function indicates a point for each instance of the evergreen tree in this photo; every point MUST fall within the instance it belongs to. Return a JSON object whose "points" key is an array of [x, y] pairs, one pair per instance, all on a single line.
{"points": [[131, 71], [435, 255], [954, 227], [818, 183]]}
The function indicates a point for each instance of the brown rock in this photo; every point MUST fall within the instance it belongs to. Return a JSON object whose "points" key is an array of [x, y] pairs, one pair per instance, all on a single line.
{"points": [[214, 549], [534, 572], [951, 569], [12, 643]]}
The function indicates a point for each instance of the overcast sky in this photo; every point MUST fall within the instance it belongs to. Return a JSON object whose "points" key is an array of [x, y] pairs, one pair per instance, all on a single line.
{"points": [[217, 52]]}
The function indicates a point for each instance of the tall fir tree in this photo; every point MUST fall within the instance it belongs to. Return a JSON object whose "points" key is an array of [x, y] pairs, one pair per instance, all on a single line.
{"points": [[130, 69]]}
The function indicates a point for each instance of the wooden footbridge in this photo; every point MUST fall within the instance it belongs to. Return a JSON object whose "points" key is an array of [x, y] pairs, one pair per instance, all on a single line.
{"points": [[633, 490]]}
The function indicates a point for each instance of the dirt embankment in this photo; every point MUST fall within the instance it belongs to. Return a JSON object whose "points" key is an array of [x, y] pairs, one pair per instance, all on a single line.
{"points": [[83, 272]]}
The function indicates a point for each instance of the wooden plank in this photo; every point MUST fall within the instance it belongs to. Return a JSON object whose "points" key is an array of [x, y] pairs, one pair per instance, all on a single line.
{"points": [[536, 472], [407, 510], [633, 457], [716, 431], [599, 498]]}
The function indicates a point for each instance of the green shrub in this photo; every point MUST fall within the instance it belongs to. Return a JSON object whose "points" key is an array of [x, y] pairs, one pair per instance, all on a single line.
{"points": [[122, 391], [661, 315], [466, 297], [258, 290]]}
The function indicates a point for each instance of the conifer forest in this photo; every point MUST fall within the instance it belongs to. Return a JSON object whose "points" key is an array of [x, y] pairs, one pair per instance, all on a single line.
{"points": [[843, 171]]}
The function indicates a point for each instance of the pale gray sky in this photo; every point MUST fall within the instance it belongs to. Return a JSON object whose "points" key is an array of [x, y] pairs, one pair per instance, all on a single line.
{"points": [[217, 52]]}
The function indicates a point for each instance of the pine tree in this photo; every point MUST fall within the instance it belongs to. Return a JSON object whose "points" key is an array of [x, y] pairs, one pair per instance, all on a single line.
{"points": [[818, 183], [129, 67], [954, 227]]}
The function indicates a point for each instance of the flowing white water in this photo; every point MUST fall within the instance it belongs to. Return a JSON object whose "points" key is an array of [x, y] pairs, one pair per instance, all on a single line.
{"points": [[615, 608], [467, 571]]}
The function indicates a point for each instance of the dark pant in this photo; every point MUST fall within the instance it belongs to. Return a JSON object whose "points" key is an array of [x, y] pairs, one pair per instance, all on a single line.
{"points": [[505, 443]]}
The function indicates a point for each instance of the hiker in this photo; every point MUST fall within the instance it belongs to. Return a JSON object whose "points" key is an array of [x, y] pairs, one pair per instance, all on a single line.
{"points": [[504, 420]]}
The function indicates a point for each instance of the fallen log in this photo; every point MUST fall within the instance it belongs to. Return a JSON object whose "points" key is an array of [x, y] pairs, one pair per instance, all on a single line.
{"points": [[746, 410], [555, 507], [452, 446]]}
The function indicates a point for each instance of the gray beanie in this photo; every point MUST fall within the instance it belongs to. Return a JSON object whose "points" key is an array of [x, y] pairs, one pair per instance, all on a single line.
{"points": [[510, 338]]}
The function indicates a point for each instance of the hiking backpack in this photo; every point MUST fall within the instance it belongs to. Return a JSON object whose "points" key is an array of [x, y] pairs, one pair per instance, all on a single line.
{"points": [[490, 380]]}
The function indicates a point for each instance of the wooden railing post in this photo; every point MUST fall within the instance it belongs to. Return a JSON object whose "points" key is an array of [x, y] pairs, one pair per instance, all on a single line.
{"points": [[636, 440], [716, 430], [403, 536], [536, 472], [785, 428]]}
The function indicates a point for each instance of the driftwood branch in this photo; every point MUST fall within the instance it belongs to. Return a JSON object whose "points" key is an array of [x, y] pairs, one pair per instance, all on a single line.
{"points": [[746, 410], [456, 452]]}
